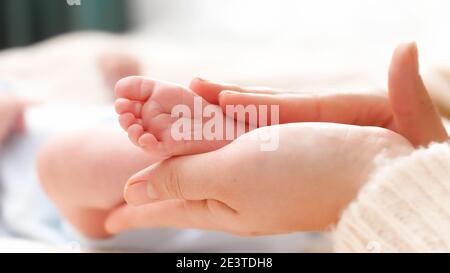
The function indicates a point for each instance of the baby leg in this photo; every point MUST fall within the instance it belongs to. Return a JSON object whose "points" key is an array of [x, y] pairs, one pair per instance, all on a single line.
{"points": [[84, 174]]}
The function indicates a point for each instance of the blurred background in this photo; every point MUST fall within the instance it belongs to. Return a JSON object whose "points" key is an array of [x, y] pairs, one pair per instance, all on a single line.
{"points": [[289, 44], [23, 22], [55, 50], [27, 21]]}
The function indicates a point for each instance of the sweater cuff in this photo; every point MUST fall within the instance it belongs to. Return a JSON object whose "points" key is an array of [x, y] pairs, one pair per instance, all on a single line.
{"points": [[405, 207]]}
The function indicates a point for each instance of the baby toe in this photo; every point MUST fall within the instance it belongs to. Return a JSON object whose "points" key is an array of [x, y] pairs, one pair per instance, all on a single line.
{"points": [[148, 140], [127, 106], [135, 131], [126, 120], [134, 88], [151, 145]]}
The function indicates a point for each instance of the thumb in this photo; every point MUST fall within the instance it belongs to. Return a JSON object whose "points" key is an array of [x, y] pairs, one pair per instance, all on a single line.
{"points": [[415, 116], [183, 178]]}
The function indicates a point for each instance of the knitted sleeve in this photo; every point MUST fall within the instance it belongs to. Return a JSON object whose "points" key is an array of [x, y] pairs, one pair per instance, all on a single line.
{"points": [[405, 207]]}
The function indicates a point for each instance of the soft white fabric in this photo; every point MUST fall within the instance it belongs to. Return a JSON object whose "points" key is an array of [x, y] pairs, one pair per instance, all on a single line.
{"points": [[404, 208]]}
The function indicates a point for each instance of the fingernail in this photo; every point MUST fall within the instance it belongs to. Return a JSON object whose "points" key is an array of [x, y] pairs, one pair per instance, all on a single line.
{"points": [[140, 193], [228, 92], [202, 79]]}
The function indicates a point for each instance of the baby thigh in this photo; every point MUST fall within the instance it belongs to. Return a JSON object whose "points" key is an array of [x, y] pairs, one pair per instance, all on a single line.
{"points": [[84, 172]]}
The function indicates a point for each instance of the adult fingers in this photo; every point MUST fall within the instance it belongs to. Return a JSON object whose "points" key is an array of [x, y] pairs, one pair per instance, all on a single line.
{"points": [[358, 109], [210, 90], [347, 108], [202, 214], [415, 116]]}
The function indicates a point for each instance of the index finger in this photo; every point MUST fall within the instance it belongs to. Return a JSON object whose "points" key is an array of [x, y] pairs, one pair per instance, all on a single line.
{"points": [[210, 90], [203, 214]]}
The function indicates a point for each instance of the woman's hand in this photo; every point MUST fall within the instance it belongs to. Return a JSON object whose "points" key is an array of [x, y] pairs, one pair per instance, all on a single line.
{"points": [[407, 109], [316, 171]]}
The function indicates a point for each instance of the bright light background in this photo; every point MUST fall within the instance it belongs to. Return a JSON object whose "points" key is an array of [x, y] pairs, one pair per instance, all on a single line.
{"points": [[289, 43]]}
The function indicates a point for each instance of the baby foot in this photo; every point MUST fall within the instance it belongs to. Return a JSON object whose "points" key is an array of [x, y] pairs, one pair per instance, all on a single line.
{"points": [[145, 111]]}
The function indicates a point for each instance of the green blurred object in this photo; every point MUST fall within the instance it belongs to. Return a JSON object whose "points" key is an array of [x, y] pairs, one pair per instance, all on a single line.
{"points": [[23, 22]]}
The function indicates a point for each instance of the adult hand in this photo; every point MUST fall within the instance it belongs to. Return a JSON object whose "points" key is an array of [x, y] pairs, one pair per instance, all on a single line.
{"points": [[315, 173], [407, 109]]}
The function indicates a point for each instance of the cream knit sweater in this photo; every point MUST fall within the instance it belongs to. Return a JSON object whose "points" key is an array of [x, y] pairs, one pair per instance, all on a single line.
{"points": [[405, 207]]}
